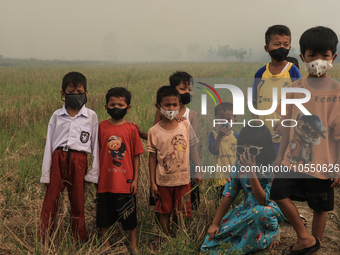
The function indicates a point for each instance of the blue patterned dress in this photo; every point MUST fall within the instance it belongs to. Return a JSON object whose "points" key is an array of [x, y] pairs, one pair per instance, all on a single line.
{"points": [[248, 227]]}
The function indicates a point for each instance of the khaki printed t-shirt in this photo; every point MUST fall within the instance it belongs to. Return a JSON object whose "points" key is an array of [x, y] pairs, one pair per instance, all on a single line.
{"points": [[173, 151], [312, 142]]}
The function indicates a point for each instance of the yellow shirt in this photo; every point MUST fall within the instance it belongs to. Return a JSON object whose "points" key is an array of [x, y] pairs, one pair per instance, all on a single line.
{"points": [[264, 83]]}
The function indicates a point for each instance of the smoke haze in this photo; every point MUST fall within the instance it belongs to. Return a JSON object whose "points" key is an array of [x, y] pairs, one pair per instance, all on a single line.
{"points": [[150, 30]]}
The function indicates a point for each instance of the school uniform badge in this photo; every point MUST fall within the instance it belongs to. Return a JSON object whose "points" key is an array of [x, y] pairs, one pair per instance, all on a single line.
{"points": [[84, 136]]}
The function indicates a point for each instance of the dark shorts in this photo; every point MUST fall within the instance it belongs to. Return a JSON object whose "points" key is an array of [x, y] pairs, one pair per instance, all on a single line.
{"points": [[301, 187], [114, 207]]}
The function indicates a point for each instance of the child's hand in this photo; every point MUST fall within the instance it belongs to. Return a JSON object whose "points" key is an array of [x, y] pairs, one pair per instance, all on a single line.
{"points": [[277, 161], [134, 188], [180, 119], [138, 127], [199, 180], [213, 230], [88, 183], [46, 186], [336, 182], [274, 244], [223, 132], [278, 128], [154, 190], [247, 160]]}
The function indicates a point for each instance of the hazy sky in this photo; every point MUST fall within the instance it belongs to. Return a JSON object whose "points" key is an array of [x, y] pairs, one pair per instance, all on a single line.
{"points": [[150, 30]]}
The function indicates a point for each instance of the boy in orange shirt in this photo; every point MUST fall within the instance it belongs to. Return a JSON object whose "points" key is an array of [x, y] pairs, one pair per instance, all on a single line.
{"points": [[314, 142], [169, 144]]}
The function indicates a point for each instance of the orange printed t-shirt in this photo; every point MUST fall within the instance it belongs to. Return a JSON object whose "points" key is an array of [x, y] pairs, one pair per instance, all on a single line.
{"points": [[312, 142], [118, 145], [172, 148]]}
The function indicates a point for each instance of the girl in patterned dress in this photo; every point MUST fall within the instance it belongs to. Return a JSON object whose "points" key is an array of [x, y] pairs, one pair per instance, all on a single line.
{"points": [[254, 224]]}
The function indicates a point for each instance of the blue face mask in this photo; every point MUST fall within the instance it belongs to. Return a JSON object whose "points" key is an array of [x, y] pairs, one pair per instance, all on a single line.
{"points": [[75, 101]]}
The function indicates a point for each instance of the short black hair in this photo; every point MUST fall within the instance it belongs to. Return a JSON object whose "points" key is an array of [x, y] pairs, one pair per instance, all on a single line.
{"points": [[276, 30], [167, 91], [179, 76], [293, 60], [318, 39], [73, 79], [119, 92], [225, 106], [258, 136]]}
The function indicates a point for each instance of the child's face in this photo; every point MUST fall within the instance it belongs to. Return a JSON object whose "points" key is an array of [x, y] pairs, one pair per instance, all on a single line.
{"points": [[184, 88], [310, 56], [253, 150], [117, 102], [170, 103], [278, 41], [70, 89], [227, 115]]}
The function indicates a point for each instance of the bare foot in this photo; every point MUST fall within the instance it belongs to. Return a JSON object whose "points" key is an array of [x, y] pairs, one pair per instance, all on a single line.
{"points": [[302, 244]]}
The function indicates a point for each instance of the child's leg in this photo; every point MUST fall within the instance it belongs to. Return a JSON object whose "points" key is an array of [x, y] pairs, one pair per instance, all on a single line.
{"points": [[133, 239], [51, 197], [165, 205], [319, 224], [76, 193], [105, 236], [304, 238], [164, 220]]}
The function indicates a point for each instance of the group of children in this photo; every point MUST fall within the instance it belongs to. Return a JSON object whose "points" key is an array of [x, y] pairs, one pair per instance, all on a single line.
{"points": [[115, 145]]}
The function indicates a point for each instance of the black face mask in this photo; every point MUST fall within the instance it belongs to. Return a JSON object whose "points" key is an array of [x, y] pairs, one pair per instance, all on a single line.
{"points": [[117, 113], [186, 98], [75, 101], [279, 54]]}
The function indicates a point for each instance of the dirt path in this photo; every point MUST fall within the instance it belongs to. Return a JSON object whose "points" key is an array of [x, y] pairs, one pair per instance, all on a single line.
{"points": [[331, 240]]}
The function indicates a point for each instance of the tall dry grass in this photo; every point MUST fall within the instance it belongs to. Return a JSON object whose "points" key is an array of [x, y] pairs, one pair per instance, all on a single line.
{"points": [[28, 97]]}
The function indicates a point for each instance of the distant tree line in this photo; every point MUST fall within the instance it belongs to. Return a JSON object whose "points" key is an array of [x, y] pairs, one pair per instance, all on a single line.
{"points": [[227, 52]]}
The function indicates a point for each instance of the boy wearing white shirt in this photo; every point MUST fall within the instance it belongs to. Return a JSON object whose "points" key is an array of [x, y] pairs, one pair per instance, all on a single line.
{"points": [[72, 133]]}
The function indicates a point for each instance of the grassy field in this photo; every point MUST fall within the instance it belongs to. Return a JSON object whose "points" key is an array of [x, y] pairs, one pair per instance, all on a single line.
{"points": [[28, 97]]}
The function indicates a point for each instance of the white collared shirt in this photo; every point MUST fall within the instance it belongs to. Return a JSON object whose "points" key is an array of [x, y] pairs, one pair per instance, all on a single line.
{"points": [[79, 133]]}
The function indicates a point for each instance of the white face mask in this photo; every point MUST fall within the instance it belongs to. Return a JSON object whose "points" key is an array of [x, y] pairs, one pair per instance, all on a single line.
{"points": [[168, 114], [318, 67]]}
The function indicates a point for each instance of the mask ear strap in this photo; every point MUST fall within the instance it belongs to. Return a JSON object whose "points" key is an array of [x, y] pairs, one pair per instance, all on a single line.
{"points": [[62, 99]]}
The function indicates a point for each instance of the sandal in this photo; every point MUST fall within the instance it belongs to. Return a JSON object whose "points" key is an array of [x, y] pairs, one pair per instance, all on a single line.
{"points": [[305, 251]]}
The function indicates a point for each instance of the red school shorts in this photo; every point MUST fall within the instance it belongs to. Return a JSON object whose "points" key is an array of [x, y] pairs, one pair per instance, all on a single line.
{"points": [[174, 199]]}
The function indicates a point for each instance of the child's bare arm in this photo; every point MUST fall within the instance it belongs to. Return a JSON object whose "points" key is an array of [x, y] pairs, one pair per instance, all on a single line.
{"points": [[256, 187], [143, 135], [196, 160], [134, 184], [193, 120], [283, 146], [278, 128], [220, 134], [336, 179], [152, 169], [158, 117], [221, 211]]}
